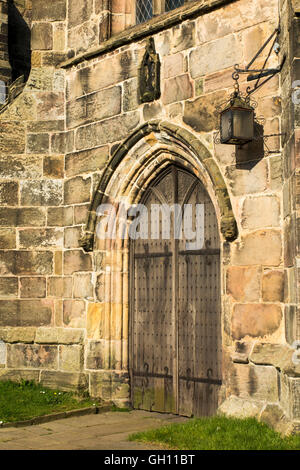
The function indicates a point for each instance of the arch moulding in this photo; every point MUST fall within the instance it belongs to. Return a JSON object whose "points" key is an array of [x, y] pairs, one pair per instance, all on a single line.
{"points": [[142, 156]]}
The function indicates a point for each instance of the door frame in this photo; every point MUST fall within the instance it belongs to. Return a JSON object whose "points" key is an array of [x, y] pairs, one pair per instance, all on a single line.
{"points": [[172, 167]]}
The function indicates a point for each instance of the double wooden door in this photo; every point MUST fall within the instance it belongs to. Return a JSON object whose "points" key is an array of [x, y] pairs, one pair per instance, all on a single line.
{"points": [[175, 320]]}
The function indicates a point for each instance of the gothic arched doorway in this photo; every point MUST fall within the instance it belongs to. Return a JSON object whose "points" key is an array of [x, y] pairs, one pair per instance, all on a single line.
{"points": [[175, 308]]}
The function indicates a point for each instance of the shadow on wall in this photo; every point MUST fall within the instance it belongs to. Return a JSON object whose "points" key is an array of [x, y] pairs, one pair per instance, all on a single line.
{"points": [[19, 47]]}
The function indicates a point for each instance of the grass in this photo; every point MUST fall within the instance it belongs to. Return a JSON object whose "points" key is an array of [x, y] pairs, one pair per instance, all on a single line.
{"points": [[26, 399], [120, 410], [219, 433]]}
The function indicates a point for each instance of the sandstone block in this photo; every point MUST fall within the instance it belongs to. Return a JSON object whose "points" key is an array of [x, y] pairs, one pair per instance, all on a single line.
{"points": [[107, 131], [183, 36], [39, 80], [23, 167], [2, 354], [25, 312], [273, 286], [96, 321], [12, 137], [41, 193], [262, 247], [173, 65], [59, 41], [222, 52], [290, 243], [257, 382], [62, 142], [121, 67], [60, 287], [130, 95], [53, 167], [77, 190], [277, 355], [7, 238], [289, 400], [38, 143], [233, 18], [65, 381], [80, 214], [219, 80], [294, 385], [26, 262], [201, 114], [199, 87], [177, 89], [100, 294], [72, 237], [261, 212], [46, 335], [253, 37], [16, 375], [247, 178], [33, 287], [110, 386], [8, 287], [94, 107], [38, 238], [54, 11], [58, 262], [242, 351], [8, 217], [17, 335], [71, 358], [152, 111], [32, 356], [96, 356], [25, 217], [82, 286], [243, 283], [41, 36], [60, 216], [74, 313], [273, 416], [51, 106], [9, 193], [70, 336], [76, 261], [79, 12], [86, 161], [240, 408], [52, 59], [255, 320]]}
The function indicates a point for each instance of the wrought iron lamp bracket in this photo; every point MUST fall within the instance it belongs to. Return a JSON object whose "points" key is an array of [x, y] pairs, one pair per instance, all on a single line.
{"points": [[245, 100], [257, 74]]}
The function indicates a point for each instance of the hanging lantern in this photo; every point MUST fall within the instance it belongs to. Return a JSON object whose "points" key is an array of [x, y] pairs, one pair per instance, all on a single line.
{"points": [[237, 122]]}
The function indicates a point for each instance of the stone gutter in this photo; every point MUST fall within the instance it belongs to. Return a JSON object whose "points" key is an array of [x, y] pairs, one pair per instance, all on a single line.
{"points": [[153, 26], [56, 416]]}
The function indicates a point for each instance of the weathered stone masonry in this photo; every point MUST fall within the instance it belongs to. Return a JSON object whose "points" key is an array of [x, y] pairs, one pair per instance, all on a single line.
{"points": [[77, 135]]}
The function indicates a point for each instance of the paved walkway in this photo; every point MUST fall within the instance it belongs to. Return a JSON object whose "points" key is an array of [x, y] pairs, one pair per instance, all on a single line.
{"points": [[105, 431]]}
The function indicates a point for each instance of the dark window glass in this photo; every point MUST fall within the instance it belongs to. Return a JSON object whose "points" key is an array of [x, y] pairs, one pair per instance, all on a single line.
{"points": [[144, 11], [172, 4]]}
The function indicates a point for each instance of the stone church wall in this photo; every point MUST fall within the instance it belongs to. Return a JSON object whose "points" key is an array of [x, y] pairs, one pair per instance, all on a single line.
{"points": [[56, 139]]}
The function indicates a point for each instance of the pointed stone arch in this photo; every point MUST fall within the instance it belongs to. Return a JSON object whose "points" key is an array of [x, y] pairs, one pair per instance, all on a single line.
{"points": [[142, 156], [133, 168]]}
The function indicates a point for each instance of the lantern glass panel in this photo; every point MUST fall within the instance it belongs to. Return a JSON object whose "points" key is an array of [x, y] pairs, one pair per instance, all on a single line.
{"points": [[226, 126], [243, 124]]}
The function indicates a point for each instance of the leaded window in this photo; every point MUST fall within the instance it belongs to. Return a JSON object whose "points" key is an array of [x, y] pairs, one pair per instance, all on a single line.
{"points": [[146, 9]]}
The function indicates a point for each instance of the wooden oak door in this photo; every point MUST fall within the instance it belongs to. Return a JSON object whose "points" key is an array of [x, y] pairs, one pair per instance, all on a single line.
{"points": [[175, 340]]}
